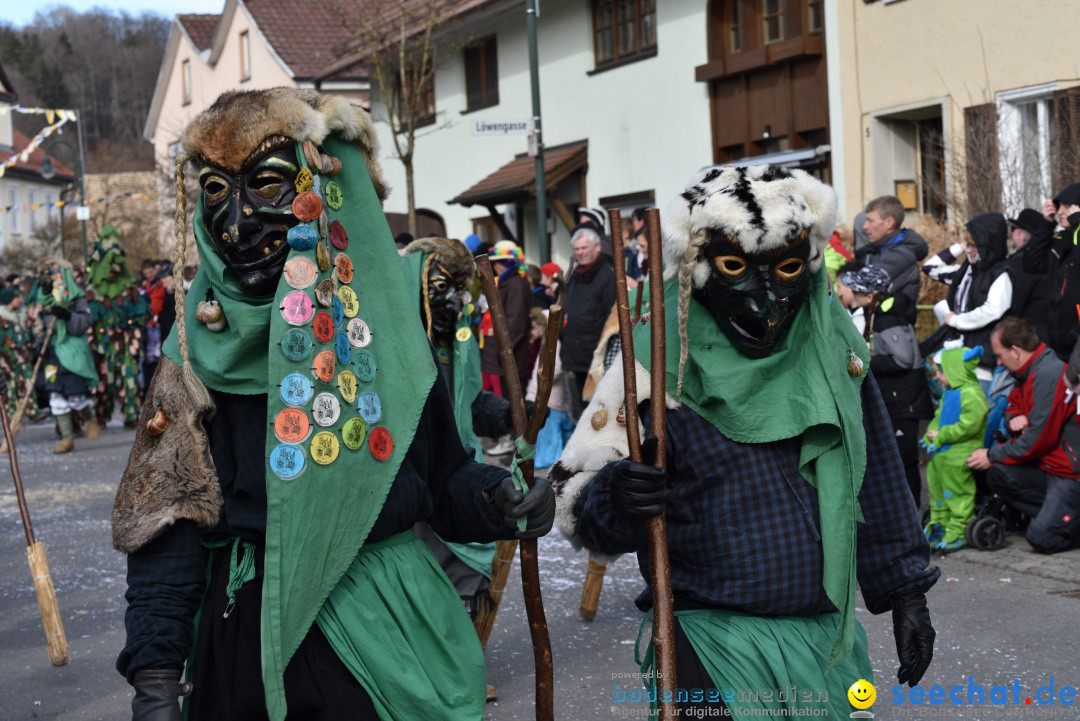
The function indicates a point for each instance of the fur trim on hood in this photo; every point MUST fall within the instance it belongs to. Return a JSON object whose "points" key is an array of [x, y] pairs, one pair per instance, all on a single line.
{"points": [[236, 124], [453, 254], [761, 207]]}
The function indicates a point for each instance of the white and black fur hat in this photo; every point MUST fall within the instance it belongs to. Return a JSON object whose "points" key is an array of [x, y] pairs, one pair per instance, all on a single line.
{"points": [[761, 207]]}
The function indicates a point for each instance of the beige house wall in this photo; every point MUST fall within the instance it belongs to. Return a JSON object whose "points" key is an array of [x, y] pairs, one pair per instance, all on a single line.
{"points": [[207, 83], [918, 57]]}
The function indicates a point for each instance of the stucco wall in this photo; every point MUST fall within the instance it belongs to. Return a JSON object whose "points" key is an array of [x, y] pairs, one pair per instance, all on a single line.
{"points": [[647, 122], [955, 53]]}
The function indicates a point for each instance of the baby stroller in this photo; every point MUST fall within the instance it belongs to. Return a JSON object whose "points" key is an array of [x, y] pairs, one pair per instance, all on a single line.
{"points": [[994, 517]]}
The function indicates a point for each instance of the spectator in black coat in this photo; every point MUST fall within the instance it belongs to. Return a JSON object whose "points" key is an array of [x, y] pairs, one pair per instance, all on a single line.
{"points": [[1054, 257], [1030, 295], [589, 297]]}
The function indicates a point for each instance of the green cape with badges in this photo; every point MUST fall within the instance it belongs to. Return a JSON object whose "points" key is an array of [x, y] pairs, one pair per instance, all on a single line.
{"points": [[801, 389], [339, 427]]}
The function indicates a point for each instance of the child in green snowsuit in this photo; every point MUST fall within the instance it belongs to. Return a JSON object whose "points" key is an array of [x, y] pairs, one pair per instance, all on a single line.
{"points": [[956, 430]]}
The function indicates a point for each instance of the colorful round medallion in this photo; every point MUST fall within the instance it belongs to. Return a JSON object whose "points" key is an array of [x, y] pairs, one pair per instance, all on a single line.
{"points": [[291, 425], [353, 432], [324, 448], [296, 344], [297, 308], [326, 409], [296, 389], [370, 407], [381, 443], [287, 461]]}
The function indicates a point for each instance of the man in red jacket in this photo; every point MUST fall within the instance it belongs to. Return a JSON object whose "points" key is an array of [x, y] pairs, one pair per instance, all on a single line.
{"points": [[1038, 470]]}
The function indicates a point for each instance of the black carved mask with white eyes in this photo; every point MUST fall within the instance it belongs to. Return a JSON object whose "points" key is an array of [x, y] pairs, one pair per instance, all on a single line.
{"points": [[248, 214], [446, 298], [754, 298]]}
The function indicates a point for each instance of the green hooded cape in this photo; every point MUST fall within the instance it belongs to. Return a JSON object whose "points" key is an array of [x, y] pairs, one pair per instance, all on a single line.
{"points": [[802, 388], [318, 521]]}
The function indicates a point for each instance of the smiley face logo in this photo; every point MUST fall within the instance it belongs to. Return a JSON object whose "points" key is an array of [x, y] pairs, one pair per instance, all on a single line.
{"points": [[862, 694]]}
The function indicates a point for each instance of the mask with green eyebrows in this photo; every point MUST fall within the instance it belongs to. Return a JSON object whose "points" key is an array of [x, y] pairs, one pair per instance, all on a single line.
{"points": [[248, 214]]}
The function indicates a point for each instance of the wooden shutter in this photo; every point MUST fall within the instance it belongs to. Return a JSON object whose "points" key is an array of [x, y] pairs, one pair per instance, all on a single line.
{"points": [[1065, 144], [982, 172]]}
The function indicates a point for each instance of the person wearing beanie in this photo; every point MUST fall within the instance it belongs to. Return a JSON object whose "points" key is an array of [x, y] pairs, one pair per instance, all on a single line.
{"points": [[780, 459], [298, 426], [1052, 254], [1030, 299], [595, 218]]}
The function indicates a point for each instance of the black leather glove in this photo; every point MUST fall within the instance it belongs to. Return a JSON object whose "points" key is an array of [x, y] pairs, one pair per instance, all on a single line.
{"points": [[914, 636], [157, 695], [60, 311], [538, 505], [639, 491]]}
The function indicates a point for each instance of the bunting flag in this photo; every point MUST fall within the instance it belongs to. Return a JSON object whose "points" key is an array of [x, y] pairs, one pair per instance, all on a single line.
{"points": [[74, 203], [48, 130], [48, 112]]}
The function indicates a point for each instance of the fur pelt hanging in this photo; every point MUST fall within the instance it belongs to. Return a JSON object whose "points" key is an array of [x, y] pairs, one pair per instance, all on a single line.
{"points": [[236, 124]]}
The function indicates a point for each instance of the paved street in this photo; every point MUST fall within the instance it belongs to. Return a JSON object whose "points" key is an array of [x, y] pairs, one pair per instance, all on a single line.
{"points": [[1001, 617]]}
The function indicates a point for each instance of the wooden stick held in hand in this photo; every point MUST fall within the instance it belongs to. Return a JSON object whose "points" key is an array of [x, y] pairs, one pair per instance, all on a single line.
{"points": [[55, 641], [528, 430], [656, 528]]}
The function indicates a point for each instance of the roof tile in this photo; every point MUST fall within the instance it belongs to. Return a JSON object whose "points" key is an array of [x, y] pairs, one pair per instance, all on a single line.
{"points": [[200, 28], [306, 35]]}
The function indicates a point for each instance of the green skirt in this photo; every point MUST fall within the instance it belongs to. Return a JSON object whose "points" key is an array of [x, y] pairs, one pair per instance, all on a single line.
{"points": [[397, 623], [774, 662]]}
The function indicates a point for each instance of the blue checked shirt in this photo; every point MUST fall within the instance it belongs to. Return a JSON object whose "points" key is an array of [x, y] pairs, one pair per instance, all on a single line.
{"points": [[743, 527]]}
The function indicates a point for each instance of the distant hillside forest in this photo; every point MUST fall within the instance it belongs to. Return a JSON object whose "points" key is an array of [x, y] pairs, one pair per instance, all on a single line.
{"points": [[100, 63]]}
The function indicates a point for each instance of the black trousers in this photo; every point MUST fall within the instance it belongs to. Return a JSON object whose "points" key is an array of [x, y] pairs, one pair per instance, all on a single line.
{"points": [[1052, 502], [690, 674], [228, 669]]}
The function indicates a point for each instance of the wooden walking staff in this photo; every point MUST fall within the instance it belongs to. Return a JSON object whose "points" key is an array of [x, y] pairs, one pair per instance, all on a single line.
{"points": [[55, 641], [656, 528], [528, 429]]}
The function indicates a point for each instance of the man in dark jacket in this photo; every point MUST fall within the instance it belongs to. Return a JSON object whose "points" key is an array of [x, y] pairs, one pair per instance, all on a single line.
{"points": [[895, 250], [980, 289], [1037, 471], [895, 360], [1029, 289], [1053, 256], [589, 297]]}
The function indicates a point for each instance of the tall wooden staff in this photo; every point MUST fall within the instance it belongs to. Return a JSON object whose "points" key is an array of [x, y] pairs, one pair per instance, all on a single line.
{"points": [[528, 429], [656, 528], [55, 641]]}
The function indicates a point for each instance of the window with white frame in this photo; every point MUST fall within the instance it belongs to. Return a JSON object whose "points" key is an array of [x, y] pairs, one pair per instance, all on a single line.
{"points": [[14, 210], [1025, 129]]}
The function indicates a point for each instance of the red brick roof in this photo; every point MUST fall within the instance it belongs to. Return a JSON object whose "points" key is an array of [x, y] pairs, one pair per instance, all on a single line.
{"points": [[308, 35], [517, 179], [200, 28], [37, 157]]}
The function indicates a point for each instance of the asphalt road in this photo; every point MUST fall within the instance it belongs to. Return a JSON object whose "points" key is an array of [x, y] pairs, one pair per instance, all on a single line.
{"points": [[996, 624]]}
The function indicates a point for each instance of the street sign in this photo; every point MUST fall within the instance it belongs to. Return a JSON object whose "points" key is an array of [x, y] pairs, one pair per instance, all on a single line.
{"points": [[82, 213], [534, 145], [510, 126]]}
